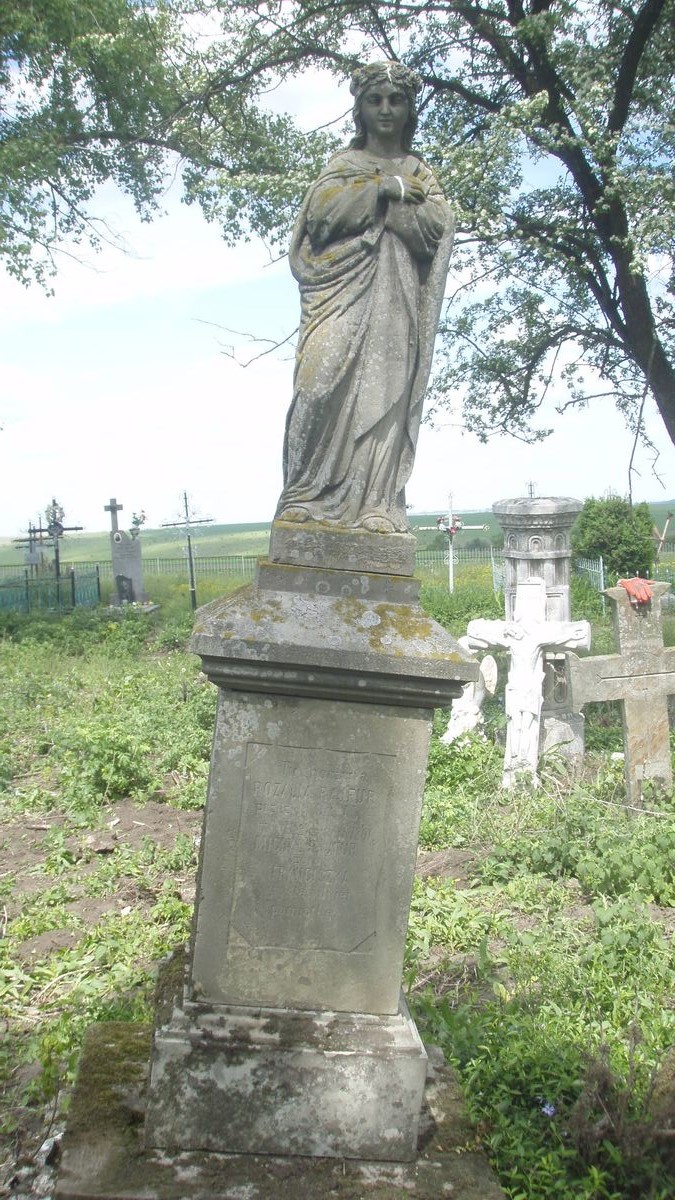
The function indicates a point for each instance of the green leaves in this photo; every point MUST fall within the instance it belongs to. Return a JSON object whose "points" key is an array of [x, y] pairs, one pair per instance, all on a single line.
{"points": [[620, 532], [550, 127]]}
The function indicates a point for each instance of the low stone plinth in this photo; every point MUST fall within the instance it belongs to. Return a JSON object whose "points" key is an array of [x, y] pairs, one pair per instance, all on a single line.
{"points": [[312, 544], [277, 1081], [104, 1157]]}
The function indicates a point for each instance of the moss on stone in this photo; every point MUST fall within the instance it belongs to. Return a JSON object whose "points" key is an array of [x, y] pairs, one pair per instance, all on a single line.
{"points": [[115, 1060]]}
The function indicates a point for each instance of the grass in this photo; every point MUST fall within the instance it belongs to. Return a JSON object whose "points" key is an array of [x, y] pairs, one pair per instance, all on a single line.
{"points": [[545, 971], [540, 951]]}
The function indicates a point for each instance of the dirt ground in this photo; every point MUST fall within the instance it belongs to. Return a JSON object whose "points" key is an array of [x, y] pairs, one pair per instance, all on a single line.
{"points": [[30, 1137]]}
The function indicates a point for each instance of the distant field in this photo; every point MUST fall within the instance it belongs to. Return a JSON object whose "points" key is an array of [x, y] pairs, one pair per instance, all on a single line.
{"points": [[157, 543], [254, 538]]}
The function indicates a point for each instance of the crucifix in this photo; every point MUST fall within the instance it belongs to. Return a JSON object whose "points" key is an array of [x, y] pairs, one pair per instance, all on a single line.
{"points": [[187, 524], [56, 529], [113, 508], [526, 638], [642, 677]]}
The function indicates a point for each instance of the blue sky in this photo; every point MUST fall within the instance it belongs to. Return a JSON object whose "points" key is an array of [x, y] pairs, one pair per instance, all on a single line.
{"points": [[120, 385]]}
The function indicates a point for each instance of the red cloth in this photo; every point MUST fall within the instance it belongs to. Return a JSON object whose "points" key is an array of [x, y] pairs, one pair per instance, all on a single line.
{"points": [[639, 590]]}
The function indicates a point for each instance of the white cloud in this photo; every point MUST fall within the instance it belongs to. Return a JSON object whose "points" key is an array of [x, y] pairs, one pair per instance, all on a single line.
{"points": [[178, 252]]}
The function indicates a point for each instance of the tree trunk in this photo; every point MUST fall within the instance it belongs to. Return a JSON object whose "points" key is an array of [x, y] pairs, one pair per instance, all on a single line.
{"points": [[643, 344]]}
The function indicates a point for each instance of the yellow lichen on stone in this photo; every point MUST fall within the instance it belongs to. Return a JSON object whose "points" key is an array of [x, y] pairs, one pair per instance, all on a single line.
{"points": [[269, 610], [384, 623]]}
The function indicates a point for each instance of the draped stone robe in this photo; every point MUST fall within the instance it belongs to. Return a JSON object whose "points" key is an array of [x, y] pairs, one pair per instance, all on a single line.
{"points": [[372, 275]]}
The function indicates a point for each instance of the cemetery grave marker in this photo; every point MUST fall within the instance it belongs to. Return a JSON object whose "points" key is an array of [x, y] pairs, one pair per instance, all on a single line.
{"points": [[537, 543], [286, 1037], [526, 637], [642, 677], [127, 560]]}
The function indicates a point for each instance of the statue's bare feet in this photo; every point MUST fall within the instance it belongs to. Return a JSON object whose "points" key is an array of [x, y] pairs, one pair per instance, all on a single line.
{"points": [[378, 525], [294, 513]]}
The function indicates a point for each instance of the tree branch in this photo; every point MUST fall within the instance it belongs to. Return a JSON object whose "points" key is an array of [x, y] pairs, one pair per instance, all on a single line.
{"points": [[645, 23]]}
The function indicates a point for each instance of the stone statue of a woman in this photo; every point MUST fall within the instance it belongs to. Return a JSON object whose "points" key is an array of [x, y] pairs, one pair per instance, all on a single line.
{"points": [[370, 252]]}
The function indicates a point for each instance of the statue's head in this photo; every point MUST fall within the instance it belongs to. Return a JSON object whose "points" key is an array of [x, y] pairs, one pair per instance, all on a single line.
{"points": [[375, 75]]}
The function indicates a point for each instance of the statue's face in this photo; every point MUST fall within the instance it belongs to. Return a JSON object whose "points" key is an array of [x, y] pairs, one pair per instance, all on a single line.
{"points": [[384, 111]]}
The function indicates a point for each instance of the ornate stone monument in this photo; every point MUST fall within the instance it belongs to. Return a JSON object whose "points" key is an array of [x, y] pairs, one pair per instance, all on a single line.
{"points": [[537, 542], [287, 1034], [328, 673]]}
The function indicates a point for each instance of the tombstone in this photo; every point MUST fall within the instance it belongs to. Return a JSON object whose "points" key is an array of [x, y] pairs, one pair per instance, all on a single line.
{"points": [[327, 680], [537, 543], [127, 561], [642, 677], [526, 637]]}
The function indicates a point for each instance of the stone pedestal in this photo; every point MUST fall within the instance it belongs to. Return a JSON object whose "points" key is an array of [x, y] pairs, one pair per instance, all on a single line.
{"points": [[289, 1034], [283, 1081], [104, 1158], [537, 542]]}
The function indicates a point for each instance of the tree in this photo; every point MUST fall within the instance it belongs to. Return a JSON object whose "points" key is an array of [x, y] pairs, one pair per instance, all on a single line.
{"points": [[619, 532], [121, 90], [548, 121], [78, 84]]}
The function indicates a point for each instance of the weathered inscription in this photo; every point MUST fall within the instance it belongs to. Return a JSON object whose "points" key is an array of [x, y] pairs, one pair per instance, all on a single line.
{"points": [[311, 842]]}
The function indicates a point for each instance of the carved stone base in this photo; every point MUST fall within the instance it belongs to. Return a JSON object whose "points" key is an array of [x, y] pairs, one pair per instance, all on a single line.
{"points": [[104, 1157], [312, 544], [266, 1081]]}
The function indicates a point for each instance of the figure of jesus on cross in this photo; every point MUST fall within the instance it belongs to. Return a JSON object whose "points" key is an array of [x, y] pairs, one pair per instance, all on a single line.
{"points": [[526, 637]]}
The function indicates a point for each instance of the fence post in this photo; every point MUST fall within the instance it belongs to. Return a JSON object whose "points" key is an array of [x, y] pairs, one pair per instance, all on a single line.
{"points": [[602, 585], [73, 593], [98, 583], [27, 590]]}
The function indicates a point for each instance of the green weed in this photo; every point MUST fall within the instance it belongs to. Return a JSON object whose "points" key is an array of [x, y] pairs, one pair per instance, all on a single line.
{"points": [[548, 980]]}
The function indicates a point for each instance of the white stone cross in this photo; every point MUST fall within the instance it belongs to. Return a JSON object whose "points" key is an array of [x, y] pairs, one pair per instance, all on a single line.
{"points": [[641, 676], [526, 637]]}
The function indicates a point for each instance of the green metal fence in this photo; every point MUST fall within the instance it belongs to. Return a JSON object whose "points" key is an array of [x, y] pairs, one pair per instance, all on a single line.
{"points": [[45, 593]]}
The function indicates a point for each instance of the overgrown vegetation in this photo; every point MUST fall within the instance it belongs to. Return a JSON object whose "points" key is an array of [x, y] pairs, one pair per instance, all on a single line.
{"points": [[540, 952], [618, 531]]}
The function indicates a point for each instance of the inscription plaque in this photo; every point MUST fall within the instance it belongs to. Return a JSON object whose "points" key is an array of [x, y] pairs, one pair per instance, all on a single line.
{"points": [[309, 845], [308, 854]]}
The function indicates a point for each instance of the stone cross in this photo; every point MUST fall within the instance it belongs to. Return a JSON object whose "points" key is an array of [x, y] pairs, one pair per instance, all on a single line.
{"points": [[113, 508], [526, 637], [641, 676]]}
